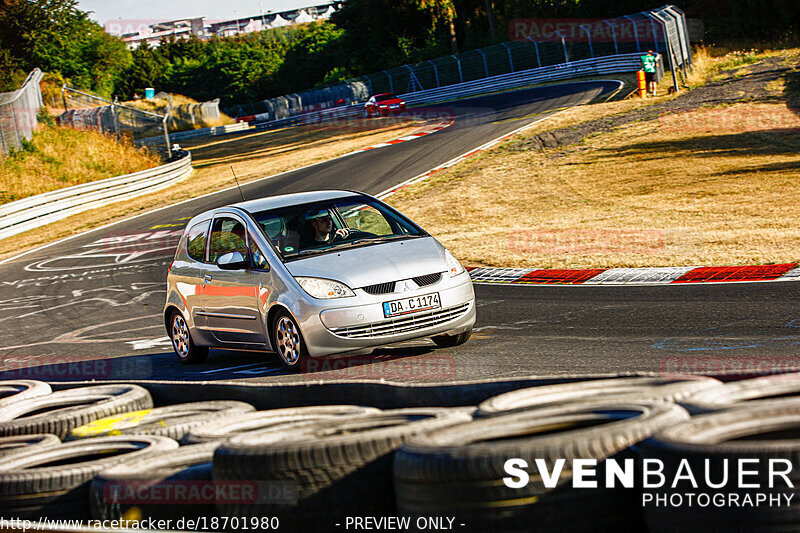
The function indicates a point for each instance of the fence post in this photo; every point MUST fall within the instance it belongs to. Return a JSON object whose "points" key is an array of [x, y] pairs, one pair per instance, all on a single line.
{"points": [[391, 85], [635, 33], [564, 45], [588, 36], [485, 65], [435, 72], [536, 48], [458, 62], [655, 34], [614, 34], [64, 96], [510, 60], [166, 136]]}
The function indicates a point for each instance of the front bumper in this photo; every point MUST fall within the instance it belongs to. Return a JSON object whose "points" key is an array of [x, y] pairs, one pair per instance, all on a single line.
{"points": [[363, 326]]}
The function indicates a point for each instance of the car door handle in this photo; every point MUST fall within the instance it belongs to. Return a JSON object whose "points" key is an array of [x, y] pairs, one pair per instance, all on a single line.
{"points": [[208, 277]]}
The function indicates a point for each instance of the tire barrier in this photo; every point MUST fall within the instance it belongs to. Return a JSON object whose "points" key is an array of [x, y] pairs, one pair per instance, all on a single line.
{"points": [[54, 483], [312, 468], [173, 421], [134, 488], [472, 456], [261, 420], [714, 445], [334, 466], [61, 412], [14, 391], [23, 443], [747, 392], [629, 389]]}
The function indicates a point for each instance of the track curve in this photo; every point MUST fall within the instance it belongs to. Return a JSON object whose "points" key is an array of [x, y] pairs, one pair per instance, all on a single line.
{"points": [[89, 307]]}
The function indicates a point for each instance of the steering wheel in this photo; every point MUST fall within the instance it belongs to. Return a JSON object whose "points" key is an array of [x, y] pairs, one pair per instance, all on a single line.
{"points": [[355, 234]]}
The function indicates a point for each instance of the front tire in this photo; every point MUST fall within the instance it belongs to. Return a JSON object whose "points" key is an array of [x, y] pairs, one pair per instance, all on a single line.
{"points": [[185, 348], [448, 341], [288, 341]]}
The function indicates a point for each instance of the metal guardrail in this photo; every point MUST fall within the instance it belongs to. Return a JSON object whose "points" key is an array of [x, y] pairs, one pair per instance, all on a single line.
{"points": [[584, 67], [18, 111], [202, 132], [35, 211], [662, 30]]}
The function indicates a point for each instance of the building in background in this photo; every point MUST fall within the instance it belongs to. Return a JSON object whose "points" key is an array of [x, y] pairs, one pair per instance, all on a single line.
{"points": [[134, 33]]}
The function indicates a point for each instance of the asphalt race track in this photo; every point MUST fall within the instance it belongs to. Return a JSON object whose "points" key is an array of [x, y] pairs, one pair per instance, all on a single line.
{"points": [[90, 307]]}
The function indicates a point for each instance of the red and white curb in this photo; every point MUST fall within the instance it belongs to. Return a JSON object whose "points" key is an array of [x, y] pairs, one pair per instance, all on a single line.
{"points": [[446, 123], [637, 276]]}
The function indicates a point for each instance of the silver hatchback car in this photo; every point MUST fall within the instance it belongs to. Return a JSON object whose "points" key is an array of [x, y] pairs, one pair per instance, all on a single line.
{"points": [[312, 274]]}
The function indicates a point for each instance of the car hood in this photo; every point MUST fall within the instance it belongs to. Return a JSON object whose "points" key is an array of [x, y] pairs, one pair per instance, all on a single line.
{"points": [[393, 101], [377, 263]]}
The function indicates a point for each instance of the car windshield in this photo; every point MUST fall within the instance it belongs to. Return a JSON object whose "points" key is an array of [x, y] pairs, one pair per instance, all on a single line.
{"points": [[320, 227], [384, 97]]}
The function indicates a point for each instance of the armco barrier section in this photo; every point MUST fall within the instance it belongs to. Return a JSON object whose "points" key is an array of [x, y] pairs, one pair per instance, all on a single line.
{"points": [[35, 211], [198, 133], [586, 67], [663, 30]]}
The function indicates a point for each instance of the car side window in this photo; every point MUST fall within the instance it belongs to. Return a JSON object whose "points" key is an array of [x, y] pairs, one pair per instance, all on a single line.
{"points": [[227, 235], [259, 259], [196, 241]]}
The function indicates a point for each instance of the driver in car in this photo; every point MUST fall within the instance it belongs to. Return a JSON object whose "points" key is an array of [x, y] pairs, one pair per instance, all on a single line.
{"points": [[322, 223]]}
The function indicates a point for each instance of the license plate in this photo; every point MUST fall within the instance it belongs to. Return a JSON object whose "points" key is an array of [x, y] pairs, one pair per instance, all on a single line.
{"points": [[415, 304], [394, 106]]}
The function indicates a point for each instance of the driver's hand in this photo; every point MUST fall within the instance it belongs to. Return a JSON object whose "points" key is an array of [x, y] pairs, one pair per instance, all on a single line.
{"points": [[343, 232]]}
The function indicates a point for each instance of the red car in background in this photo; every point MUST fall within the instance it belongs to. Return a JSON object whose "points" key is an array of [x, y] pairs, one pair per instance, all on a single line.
{"points": [[384, 104]]}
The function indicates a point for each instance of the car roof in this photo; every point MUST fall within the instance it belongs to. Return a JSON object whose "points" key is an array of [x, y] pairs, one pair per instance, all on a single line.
{"points": [[287, 200]]}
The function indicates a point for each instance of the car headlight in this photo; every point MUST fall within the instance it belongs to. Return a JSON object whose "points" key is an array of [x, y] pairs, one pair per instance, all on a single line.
{"points": [[454, 268], [324, 289]]}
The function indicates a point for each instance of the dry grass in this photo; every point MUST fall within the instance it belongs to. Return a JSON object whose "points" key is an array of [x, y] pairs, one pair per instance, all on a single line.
{"points": [[715, 186], [284, 150], [59, 157]]}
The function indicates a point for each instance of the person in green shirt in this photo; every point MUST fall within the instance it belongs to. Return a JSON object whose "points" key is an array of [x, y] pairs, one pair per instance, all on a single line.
{"points": [[649, 66]]}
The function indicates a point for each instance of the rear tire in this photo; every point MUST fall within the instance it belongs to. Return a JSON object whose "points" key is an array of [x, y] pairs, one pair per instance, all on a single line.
{"points": [[448, 341], [185, 348], [288, 341]]}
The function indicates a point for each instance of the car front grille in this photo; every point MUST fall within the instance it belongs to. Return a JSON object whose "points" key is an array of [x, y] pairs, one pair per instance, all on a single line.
{"points": [[429, 279], [404, 324], [380, 288], [386, 288]]}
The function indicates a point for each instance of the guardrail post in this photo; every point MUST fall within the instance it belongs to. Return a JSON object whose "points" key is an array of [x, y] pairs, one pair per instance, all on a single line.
{"points": [[564, 45], [588, 36], [614, 34], [536, 48], [510, 60], [435, 72], [485, 65], [460, 74]]}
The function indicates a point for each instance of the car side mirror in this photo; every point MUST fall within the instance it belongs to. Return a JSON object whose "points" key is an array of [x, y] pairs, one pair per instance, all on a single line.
{"points": [[232, 261]]}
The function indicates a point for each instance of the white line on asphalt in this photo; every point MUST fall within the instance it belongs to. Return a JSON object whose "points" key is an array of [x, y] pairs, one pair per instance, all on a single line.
{"points": [[228, 368]]}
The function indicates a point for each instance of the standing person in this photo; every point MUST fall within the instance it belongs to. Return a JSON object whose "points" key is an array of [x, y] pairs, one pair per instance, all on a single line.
{"points": [[649, 66]]}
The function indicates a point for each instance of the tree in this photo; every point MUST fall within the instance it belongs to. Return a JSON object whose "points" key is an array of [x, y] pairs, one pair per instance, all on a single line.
{"points": [[55, 36]]}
